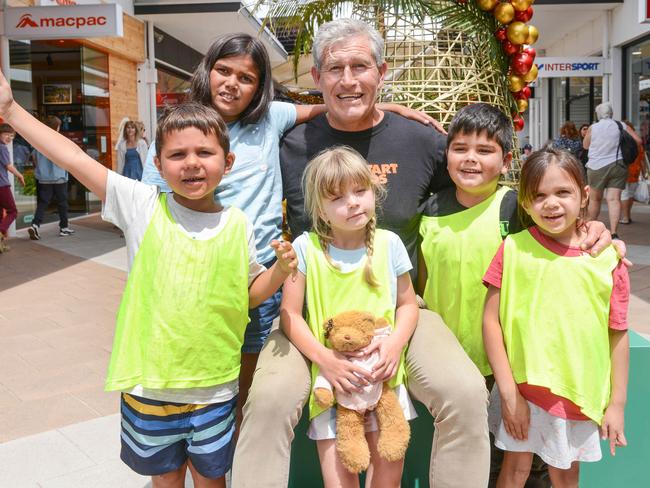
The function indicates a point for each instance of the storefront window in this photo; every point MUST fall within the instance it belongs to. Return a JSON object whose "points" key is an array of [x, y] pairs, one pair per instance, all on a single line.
{"points": [[574, 99], [64, 79], [171, 89], [638, 88]]}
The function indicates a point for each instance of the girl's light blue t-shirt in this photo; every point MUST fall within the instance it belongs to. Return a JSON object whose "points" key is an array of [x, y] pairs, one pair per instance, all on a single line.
{"points": [[254, 184]]}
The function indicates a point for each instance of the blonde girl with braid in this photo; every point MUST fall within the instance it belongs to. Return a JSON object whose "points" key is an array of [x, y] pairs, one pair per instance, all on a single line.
{"points": [[346, 263]]}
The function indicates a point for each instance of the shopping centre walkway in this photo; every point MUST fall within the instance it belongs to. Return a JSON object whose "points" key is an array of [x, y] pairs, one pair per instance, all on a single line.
{"points": [[58, 299]]}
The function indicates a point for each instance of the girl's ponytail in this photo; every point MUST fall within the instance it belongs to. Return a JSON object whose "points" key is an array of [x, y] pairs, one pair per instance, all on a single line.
{"points": [[368, 275]]}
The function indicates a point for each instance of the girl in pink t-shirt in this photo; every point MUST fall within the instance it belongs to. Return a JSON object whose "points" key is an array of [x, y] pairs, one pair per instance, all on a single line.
{"points": [[535, 346]]}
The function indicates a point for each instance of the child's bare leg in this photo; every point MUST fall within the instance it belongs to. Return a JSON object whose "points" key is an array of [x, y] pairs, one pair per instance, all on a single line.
{"points": [[565, 478], [515, 469], [382, 473], [173, 479], [248, 365], [201, 481], [334, 473]]}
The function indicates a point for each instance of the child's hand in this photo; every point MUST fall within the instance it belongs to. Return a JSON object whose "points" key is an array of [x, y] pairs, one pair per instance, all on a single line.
{"points": [[6, 96], [389, 354], [287, 259], [516, 415], [612, 427], [342, 374], [21, 178]]}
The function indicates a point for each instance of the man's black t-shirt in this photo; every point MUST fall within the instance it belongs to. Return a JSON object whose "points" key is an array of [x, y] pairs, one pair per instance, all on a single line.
{"points": [[408, 157]]}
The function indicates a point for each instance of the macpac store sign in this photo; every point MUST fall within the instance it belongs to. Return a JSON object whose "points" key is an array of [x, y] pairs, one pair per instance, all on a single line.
{"points": [[564, 67], [72, 22]]}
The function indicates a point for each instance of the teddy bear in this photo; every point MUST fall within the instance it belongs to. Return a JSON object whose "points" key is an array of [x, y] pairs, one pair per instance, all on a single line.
{"points": [[349, 332]]}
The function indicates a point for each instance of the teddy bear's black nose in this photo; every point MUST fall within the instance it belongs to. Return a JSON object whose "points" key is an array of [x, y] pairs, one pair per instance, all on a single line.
{"points": [[347, 337]]}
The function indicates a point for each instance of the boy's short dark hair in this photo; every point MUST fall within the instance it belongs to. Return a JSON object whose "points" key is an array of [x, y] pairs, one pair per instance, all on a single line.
{"points": [[192, 114], [6, 128], [482, 117], [53, 122]]}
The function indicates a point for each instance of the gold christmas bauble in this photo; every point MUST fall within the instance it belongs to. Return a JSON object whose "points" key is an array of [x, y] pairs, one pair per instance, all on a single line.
{"points": [[504, 13], [531, 75], [517, 32], [487, 5], [521, 5], [522, 105], [533, 34], [515, 83]]}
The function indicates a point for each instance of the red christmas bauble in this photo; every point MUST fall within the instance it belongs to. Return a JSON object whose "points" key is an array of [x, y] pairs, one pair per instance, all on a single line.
{"points": [[524, 15], [518, 123], [501, 34], [530, 50], [509, 48], [523, 94], [521, 63]]}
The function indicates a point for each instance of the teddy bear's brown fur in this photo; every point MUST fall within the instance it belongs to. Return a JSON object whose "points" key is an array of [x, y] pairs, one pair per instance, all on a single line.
{"points": [[347, 332]]}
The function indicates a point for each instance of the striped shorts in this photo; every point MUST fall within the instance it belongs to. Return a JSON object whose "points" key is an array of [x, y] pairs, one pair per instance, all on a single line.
{"points": [[159, 437]]}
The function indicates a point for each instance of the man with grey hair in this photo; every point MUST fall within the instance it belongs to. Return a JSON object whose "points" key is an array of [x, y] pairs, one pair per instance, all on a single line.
{"points": [[605, 166], [409, 159]]}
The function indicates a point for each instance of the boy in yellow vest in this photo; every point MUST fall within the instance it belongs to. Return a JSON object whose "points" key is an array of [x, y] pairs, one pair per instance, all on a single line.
{"points": [[463, 226], [192, 278]]}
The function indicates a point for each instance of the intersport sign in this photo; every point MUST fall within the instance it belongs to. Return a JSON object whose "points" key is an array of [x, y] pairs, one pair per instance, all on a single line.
{"points": [[74, 22], [558, 67]]}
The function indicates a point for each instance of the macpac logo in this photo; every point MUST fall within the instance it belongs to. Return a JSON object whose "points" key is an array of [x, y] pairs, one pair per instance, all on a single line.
{"points": [[76, 22], [26, 21], [568, 66]]}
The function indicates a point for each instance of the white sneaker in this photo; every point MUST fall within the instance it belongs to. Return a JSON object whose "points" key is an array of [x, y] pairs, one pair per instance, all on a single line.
{"points": [[33, 232], [66, 231]]}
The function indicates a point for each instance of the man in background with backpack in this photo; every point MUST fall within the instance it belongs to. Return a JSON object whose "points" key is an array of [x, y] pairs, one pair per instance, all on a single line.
{"points": [[606, 167]]}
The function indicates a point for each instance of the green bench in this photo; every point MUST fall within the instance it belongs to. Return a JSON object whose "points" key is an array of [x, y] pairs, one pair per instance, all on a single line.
{"points": [[628, 468]]}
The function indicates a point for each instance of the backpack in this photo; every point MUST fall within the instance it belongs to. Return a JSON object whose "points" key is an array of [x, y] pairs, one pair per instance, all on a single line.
{"points": [[627, 147]]}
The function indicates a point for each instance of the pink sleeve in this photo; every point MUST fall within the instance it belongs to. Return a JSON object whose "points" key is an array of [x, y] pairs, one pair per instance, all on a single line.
{"points": [[620, 298], [495, 270]]}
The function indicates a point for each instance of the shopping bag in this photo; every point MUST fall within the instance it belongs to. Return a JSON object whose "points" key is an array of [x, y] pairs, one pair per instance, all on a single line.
{"points": [[642, 192]]}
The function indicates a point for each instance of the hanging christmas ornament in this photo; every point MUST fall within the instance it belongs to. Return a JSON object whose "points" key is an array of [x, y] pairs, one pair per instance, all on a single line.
{"points": [[524, 93], [531, 75], [500, 34], [521, 63], [518, 123], [486, 5], [533, 34], [516, 83], [522, 105], [518, 33], [504, 13], [521, 5], [509, 48], [530, 50], [524, 15]]}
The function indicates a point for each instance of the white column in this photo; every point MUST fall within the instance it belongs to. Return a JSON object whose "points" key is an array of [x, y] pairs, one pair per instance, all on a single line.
{"points": [[147, 79], [607, 40]]}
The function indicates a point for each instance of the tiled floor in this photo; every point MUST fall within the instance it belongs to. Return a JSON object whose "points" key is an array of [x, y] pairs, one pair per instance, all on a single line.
{"points": [[58, 299]]}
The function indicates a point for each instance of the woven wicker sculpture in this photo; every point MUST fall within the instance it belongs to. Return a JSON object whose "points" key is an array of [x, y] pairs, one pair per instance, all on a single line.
{"points": [[441, 54]]}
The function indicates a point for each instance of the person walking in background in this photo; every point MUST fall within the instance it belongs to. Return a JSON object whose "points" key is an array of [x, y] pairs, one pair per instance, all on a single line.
{"points": [[7, 202], [131, 152], [634, 170], [143, 131], [569, 139], [584, 153], [51, 181], [605, 167]]}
